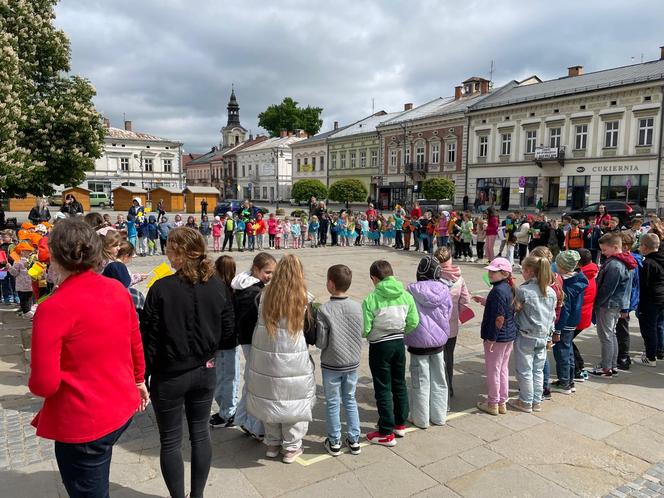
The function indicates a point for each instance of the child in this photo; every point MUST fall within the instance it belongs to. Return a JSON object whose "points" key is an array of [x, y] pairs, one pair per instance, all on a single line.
{"points": [[407, 231], [132, 233], [313, 231], [324, 227], [428, 393], [467, 237], [398, 230], [229, 232], [141, 234], [227, 358], [297, 233], [574, 237], [240, 229], [613, 295], [592, 235], [260, 228], [205, 228], [339, 337], [304, 227], [217, 228], [271, 229], [389, 313], [364, 223], [191, 223], [651, 305], [116, 268], [164, 229], [247, 287], [480, 232], [574, 286], [281, 387], [23, 282], [287, 232], [250, 229], [389, 232], [334, 230], [622, 327], [9, 294], [461, 312], [121, 223], [510, 246], [535, 317], [498, 331], [178, 221], [152, 235], [590, 270], [278, 235]]}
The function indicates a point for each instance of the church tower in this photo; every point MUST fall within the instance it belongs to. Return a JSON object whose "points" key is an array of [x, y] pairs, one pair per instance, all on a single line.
{"points": [[233, 133]]}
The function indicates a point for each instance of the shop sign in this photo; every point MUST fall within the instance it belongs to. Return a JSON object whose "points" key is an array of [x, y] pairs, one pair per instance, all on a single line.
{"points": [[522, 190], [617, 168], [544, 153], [580, 169]]}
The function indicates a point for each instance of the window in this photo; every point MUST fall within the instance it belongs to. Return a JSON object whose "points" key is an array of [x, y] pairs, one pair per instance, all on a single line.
{"points": [[531, 141], [407, 155], [581, 140], [484, 146], [264, 192], [363, 159], [168, 165], [352, 159], [506, 144], [435, 153], [614, 188], [147, 165], [244, 171], [554, 137], [313, 164], [611, 136], [306, 160], [298, 165], [374, 158], [343, 159], [451, 152], [645, 131], [419, 154], [322, 163], [393, 158], [333, 161], [124, 163]]}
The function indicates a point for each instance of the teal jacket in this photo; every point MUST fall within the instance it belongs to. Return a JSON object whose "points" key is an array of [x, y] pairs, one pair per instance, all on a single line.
{"points": [[389, 312]]}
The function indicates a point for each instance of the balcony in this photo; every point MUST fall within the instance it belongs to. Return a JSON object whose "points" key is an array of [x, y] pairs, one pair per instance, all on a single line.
{"points": [[546, 154], [417, 171]]}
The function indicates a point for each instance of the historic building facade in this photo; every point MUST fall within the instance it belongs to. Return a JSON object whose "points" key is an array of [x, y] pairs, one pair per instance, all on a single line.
{"points": [[310, 157]]}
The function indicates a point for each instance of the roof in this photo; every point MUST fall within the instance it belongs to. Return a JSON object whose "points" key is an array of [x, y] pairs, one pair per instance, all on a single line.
{"points": [[272, 143], [366, 125], [204, 158], [170, 190], [202, 190], [121, 134], [569, 85], [319, 138], [133, 190], [79, 187]]}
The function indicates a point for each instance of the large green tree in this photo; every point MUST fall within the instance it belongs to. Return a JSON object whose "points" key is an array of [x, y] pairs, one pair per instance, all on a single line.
{"points": [[287, 116], [438, 188], [303, 190], [50, 132], [348, 190]]}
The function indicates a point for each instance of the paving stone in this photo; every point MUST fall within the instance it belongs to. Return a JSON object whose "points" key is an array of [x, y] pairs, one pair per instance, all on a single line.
{"points": [[448, 468], [438, 491], [583, 423], [480, 456], [347, 484], [426, 446], [393, 477], [481, 426], [640, 442]]}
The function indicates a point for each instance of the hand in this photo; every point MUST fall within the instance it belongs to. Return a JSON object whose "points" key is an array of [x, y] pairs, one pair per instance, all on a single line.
{"points": [[491, 344], [145, 396], [479, 299], [555, 337]]}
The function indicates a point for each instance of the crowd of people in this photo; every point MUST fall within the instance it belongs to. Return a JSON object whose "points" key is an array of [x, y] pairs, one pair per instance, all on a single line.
{"points": [[94, 375]]}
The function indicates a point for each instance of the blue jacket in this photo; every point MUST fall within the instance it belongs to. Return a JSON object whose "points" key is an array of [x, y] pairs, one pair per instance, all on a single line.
{"points": [[131, 229], [151, 230], [499, 303], [574, 287], [614, 282], [636, 284]]}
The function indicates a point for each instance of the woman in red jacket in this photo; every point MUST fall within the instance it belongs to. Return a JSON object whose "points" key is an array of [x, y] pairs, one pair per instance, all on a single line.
{"points": [[491, 233], [89, 370]]}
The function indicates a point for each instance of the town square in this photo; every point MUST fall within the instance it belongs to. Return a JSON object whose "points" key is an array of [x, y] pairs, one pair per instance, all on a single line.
{"points": [[275, 252]]}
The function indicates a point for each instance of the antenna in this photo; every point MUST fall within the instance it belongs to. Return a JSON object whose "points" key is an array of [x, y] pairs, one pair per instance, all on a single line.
{"points": [[491, 72]]}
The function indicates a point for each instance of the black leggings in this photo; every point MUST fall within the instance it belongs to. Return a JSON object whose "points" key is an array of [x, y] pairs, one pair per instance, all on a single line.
{"points": [[193, 391], [162, 243], [523, 251], [271, 240], [448, 356], [25, 298], [480, 250], [228, 238]]}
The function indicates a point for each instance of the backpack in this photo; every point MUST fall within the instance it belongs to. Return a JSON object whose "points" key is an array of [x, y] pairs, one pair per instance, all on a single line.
{"points": [[230, 225]]}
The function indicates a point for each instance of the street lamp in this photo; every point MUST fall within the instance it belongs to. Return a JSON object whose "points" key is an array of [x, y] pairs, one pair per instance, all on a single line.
{"points": [[276, 154], [404, 126]]}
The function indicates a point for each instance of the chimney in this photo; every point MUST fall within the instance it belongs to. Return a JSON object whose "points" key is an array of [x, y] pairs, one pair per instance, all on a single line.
{"points": [[128, 125], [575, 71], [283, 134], [336, 125], [457, 92], [484, 87], [107, 123], [661, 53], [408, 106]]}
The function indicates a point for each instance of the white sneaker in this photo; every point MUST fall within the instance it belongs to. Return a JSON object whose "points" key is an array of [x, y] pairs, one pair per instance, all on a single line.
{"points": [[646, 362], [272, 451]]}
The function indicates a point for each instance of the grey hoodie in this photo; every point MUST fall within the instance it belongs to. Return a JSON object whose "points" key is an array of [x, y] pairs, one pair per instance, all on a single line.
{"points": [[339, 334]]}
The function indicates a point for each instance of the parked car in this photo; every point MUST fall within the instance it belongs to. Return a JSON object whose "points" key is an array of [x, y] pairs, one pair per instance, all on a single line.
{"points": [[624, 211], [99, 199], [436, 205], [234, 206]]}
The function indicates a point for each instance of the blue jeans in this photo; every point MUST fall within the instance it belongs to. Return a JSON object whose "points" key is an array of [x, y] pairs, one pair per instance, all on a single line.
{"points": [[430, 243], [546, 372], [529, 358], [8, 287], [651, 323], [85, 467], [242, 417], [442, 240], [339, 388], [564, 355], [227, 365]]}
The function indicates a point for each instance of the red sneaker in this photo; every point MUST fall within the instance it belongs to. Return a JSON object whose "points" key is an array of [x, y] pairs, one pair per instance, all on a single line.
{"points": [[399, 430], [382, 439]]}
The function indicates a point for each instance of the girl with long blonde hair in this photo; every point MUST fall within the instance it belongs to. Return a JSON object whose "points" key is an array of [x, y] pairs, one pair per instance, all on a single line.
{"points": [[280, 380]]}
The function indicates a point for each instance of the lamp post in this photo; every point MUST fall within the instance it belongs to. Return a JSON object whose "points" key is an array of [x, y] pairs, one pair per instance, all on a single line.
{"points": [[404, 126], [276, 154], [139, 156]]}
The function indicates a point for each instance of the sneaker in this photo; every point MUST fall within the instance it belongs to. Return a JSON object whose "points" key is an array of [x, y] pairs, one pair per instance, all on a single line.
{"points": [[272, 451], [216, 421], [648, 362], [572, 386], [601, 372], [399, 430], [560, 388], [546, 393], [502, 408], [660, 355], [579, 377], [382, 439], [29, 315], [291, 456], [333, 449], [487, 408], [624, 365], [537, 407], [354, 447], [519, 405], [614, 371]]}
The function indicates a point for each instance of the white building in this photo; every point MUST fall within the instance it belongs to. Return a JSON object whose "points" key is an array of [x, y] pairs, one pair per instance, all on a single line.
{"points": [[571, 141], [310, 157], [264, 170], [135, 159]]}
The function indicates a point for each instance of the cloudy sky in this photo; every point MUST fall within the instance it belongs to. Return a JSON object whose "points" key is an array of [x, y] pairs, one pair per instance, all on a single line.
{"points": [[168, 65]]}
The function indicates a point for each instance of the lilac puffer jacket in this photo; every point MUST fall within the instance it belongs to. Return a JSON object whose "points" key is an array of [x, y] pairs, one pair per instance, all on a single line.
{"points": [[434, 305]]}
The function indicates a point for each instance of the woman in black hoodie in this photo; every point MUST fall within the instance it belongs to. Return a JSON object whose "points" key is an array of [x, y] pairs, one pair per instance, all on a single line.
{"points": [[179, 354]]}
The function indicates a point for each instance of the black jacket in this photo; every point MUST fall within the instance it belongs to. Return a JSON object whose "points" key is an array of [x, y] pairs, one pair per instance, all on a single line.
{"points": [[246, 312], [183, 324], [651, 280], [37, 215]]}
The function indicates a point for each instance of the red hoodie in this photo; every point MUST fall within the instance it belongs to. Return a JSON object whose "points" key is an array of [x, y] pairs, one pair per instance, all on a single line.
{"points": [[590, 271]]}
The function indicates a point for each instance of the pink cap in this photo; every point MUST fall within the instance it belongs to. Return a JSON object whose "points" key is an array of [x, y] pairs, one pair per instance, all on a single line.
{"points": [[499, 264]]}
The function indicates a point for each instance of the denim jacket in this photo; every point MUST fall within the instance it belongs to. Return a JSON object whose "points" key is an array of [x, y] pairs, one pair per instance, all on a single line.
{"points": [[537, 314]]}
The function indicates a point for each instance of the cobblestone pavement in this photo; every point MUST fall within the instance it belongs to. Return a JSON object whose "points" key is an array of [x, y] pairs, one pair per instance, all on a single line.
{"points": [[605, 440]]}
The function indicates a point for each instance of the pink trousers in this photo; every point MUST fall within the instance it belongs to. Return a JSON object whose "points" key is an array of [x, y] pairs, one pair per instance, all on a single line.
{"points": [[497, 360], [488, 247]]}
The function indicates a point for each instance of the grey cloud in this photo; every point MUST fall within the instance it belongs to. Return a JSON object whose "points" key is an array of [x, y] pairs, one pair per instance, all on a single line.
{"points": [[169, 65]]}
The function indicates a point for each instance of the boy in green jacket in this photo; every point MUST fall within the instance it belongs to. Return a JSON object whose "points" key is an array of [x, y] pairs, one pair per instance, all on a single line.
{"points": [[389, 312]]}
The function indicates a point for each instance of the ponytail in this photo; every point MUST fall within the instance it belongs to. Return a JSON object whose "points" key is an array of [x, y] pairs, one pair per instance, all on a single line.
{"points": [[542, 269]]}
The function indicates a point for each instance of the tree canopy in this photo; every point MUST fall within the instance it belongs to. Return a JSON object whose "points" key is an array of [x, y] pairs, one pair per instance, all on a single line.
{"points": [[438, 188], [287, 116], [50, 132], [348, 190], [303, 190]]}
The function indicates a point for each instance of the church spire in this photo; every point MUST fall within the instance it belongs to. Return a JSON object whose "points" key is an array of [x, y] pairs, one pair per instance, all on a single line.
{"points": [[233, 110]]}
